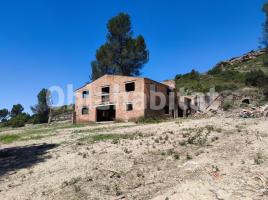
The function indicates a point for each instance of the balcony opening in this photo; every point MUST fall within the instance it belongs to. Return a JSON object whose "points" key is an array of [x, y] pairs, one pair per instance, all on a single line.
{"points": [[85, 94], [105, 90], [130, 87], [105, 98]]}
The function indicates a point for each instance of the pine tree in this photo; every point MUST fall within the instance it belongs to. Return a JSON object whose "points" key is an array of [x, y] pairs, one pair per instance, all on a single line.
{"points": [[41, 110], [121, 54]]}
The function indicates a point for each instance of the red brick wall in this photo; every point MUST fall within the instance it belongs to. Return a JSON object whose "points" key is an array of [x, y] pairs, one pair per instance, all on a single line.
{"points": [[118, 96], [140, 98]]}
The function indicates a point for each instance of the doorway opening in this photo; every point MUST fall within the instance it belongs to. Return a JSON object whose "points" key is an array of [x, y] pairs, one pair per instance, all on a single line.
{"points": [[106, 113], [180, 112]]}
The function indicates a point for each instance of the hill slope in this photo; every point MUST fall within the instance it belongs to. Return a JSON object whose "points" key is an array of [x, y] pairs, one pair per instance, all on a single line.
{"points": [[227, 75]]}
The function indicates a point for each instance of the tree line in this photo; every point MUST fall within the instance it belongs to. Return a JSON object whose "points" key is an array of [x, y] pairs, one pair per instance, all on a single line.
{"points": [[16, 117]]}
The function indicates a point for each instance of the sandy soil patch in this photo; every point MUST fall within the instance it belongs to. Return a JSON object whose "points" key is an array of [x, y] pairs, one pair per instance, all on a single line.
{"points": [[213, 158]]}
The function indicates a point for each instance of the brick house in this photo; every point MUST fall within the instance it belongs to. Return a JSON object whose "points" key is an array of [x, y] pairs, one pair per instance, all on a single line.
{"points": [[115, 97]]}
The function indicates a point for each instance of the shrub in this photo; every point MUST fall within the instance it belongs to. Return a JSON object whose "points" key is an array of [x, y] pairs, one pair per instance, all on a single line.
{"points": [[189, 157], [4, 124], [19, 121], [227, 105], [216, 70], [38, 119], [178, 76], [232, 75], [265, 60], [194, 75], [256, 78], [259, 159], [176, 156], [223, 87]]}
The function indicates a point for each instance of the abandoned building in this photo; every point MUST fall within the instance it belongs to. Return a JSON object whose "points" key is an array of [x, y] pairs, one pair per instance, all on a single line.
{"points": [[115, 98], [125, 98]]}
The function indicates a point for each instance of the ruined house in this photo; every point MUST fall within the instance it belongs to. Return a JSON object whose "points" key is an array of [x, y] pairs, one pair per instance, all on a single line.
{"points": [[116, 98], [125, 98]]}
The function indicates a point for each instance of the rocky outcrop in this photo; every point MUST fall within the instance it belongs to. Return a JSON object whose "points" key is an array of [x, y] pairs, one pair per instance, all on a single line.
{"points": [[241, 59], [246, 57]]}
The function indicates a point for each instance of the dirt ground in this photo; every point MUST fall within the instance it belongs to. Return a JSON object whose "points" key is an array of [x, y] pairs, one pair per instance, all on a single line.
{"points": [[183, 159]]}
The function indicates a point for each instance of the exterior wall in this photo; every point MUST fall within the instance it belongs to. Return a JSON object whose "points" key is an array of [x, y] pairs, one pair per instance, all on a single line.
{"points": [[118, 97], [84, 102], [151, 101], [140, 98]]}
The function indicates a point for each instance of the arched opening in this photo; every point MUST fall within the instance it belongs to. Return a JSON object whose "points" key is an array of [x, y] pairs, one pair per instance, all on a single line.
{"points": [[246, 101]]}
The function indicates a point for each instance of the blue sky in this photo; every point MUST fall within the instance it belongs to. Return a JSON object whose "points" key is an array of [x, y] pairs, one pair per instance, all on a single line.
{"points": [[52, 42]]}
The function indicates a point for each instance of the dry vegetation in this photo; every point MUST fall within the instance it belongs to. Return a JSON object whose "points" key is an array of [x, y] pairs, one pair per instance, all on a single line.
{"points": [[213, 158]]}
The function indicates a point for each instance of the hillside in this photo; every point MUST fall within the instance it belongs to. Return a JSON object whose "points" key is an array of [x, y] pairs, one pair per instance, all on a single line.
{"points": [[226, 75]]}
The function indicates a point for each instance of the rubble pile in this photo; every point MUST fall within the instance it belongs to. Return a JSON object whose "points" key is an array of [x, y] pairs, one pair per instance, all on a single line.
{"points": [[254, 112]]}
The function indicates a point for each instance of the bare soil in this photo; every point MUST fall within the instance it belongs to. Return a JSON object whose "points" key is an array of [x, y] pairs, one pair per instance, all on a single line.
{"points": [[183, 159]]}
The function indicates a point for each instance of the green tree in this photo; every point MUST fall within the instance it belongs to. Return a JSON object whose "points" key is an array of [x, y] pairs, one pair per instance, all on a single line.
{"points": [[41, 110], [18, 117], [16, 110], [121, 54], [178, 76], [3, 114], [194, 75], [20, 120]]}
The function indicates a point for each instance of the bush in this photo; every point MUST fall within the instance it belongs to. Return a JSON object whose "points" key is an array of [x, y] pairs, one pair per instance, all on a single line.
{"points": [[4, 124], [19, 121], [227, 105], [265, 60], [232, 75], [38, 119], [223, 87], [216, 70], [193, 75], [178, 76], [256, 78]]}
